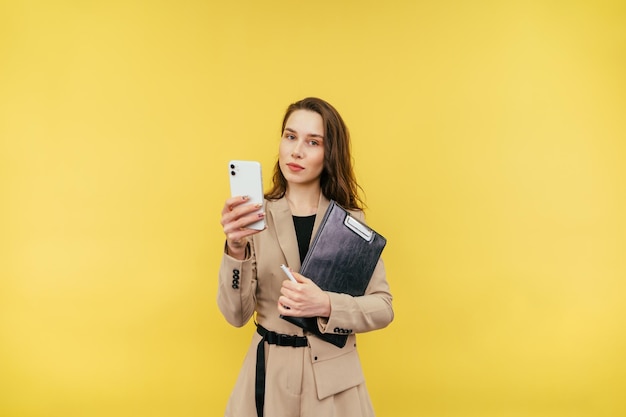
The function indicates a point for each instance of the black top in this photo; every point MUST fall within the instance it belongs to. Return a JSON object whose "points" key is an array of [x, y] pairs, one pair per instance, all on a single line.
{"points": [[304, 229]]}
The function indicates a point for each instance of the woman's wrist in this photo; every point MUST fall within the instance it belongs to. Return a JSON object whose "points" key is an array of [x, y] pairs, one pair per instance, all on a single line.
{"points": [[237, 249], [327, 306]]}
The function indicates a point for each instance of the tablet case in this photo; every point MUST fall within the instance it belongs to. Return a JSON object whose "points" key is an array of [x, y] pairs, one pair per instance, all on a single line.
{"points": [[341, 259]]}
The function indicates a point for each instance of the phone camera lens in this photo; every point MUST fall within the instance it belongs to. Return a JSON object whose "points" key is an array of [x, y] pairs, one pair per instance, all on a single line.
{"points": [[232, 166], [232, 172]]}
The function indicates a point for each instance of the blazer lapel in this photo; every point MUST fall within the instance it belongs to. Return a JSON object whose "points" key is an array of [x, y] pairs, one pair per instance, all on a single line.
{"points": [[322, 206], [285, 231]]}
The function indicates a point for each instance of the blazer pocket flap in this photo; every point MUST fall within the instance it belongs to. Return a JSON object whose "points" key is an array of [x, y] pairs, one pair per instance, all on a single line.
{"points": [[337, 374]]}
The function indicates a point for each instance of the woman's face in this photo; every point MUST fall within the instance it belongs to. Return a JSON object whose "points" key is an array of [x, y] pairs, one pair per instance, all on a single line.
{"points": [[301, 151]]}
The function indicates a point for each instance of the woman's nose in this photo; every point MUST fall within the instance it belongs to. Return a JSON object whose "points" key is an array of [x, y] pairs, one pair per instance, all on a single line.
{"points": [[296, 151]]}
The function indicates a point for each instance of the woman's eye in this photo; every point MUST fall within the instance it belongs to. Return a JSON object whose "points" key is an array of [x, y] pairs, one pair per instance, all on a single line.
{"points": [[314, 143]]}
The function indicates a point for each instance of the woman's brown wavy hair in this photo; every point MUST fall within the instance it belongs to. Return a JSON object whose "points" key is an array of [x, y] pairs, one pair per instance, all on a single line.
{"points": [[338, 181]]}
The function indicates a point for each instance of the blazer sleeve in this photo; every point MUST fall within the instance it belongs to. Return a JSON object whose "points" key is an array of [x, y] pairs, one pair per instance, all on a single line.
{"points": [[237, 288], [361, 314], [368, 312]]}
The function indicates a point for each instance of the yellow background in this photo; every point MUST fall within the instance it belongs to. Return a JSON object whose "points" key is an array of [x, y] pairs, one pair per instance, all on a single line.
{"points": [[490, 137]]}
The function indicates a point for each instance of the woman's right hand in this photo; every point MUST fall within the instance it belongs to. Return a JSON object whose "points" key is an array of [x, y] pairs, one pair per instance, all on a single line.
{"points": [[235, 217]]}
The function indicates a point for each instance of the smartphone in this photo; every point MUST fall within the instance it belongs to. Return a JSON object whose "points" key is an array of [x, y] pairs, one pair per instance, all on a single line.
{"points": [[246, 180]]}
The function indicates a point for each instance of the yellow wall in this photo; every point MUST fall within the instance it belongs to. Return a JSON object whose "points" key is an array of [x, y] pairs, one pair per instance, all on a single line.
{"points": [[490, 138]]}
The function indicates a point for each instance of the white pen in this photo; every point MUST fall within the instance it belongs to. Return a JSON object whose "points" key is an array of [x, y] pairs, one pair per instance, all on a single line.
{"points": [[288, 273]]}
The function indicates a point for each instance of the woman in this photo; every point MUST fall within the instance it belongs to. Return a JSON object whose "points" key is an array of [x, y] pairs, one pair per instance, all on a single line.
{"points": [[287, 371]]}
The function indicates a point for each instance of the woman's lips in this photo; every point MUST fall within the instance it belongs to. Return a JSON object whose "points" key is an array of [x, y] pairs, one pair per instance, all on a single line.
{"points": [[295, 167]]}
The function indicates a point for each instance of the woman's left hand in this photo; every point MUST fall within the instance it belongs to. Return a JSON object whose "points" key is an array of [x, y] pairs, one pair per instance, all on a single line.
{"points": [[303, 298]]}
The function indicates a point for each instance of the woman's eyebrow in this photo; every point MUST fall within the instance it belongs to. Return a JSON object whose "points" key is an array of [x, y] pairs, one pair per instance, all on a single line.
{"points": [[310, 135]]}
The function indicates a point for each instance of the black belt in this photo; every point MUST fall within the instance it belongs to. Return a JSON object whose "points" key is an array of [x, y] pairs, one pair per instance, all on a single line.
{"points": [[272, 338]]}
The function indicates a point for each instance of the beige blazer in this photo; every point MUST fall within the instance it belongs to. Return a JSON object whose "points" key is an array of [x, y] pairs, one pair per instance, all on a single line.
{"points": [[253, 285]]}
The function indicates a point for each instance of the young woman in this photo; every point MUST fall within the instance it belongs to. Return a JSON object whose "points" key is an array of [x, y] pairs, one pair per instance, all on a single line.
{"points": [[287, 371]]}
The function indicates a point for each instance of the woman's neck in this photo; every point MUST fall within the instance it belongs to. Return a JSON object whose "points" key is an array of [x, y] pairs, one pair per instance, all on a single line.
{"points": [[303, 201]]}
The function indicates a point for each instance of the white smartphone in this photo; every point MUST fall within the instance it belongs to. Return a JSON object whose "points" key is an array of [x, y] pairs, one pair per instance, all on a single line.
{"points": [[246, 180]]}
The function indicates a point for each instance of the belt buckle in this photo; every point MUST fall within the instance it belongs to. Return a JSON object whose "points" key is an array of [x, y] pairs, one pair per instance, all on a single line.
{"points": [[285, 340]]}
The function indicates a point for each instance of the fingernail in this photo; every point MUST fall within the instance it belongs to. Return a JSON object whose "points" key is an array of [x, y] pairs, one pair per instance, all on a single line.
{"points": [[245, 197], [259, 205], [261, 215]]}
